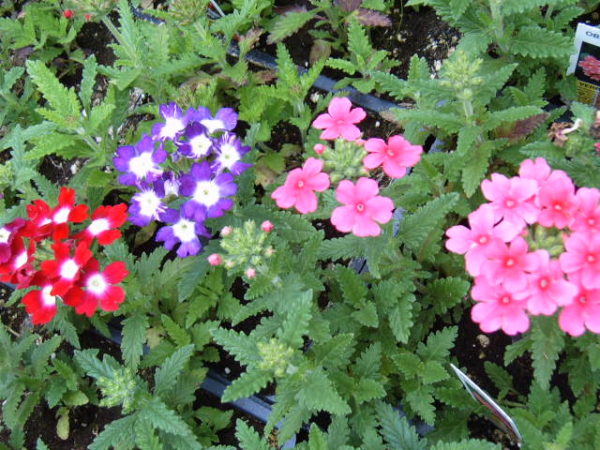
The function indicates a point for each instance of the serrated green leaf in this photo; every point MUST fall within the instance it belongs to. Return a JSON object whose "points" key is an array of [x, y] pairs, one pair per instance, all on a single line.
{"points": [[534, 42], [319, 394], [248, 438], [396, 431], [88, 81], [167, 374], [295, 325], [547, 341], [41, 354], [157, 413], [176, 332], [134, 337], [250, 382], [118, 432], [287, 24], [438, 345], [239, 345]]}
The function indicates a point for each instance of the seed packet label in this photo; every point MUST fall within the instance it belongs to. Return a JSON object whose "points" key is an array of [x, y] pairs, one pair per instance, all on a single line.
{"points": [[585, 64], [497, 414]]}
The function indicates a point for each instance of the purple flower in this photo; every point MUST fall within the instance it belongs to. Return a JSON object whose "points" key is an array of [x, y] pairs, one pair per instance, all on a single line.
{"points": [[207, 192], [169, 183], [229, 154], [199, 143], [225, 120], [174, 124], [185, 230], [147, 204], [140, 162]]}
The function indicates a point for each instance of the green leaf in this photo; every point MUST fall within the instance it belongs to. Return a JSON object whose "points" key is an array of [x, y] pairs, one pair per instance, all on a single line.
{"points": [[55, 392], [421, 401], [352, 286], [438, 345], [358, 42], [116, 434], [459, 7], [134, 337], [369, 362], [167, 374], [367, 315], [445, 293], [316, 439], [157, 413], [287, 24], [88, 81], [48, 144], [41, 354], [534, 42], [433, 372], [401, 318], [319, 394], [98, 116], [396, 431], [295, 325], [250, 382], [476, 168], [239, 345], [501, 378], [547, 341], [76, 398], [248, 438], [341, 64], [176, 332], [64, 101]]}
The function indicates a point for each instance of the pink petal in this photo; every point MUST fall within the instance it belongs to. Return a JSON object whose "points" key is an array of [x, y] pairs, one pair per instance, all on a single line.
{"points": [[571, 262], [331, 133], [349, 132], [460, 239], [364, 226], [380, 209], [284, 197], [515, 321], [366, 188], [345, 192], [323, 121], [373, 160], [375, 145], [356, 115], [474, 259], [393, 169], [343, 217], [571, 320], [311, 167], [339, 108], [306, 202], [320, 182]]}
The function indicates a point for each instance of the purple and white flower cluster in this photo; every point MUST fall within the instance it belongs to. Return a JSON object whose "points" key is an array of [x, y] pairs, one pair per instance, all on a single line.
{"points": [[207, 186]]}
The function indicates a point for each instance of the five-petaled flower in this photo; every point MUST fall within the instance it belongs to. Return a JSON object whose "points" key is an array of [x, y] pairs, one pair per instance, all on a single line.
{"points": [[396, 156], [363, 209], [340, 120], [300, 186]]}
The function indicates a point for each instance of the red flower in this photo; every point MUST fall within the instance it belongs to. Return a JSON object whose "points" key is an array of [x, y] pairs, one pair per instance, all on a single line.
{"points": [[18, 269], [99, 288], [7, 234], [104, 221], [68, 13], [41, 305], [66, 211], [64, 270]]}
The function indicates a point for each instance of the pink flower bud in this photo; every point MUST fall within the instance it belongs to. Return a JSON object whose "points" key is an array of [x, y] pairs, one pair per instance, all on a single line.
{"points": [[251, 273], [88, 17], [226, 231], [360, 141], [267, 226], [319, 149], [68, 13], [215, 259]]}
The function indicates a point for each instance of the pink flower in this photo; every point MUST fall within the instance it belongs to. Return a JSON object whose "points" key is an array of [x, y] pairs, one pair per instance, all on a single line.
{"points": [[508, 264], [538, 170], [215, 259], [583, 255], [512, 199], [267, 226], [340, 120], [226, 231], [587, 217], [583, 312], [547, 288], [300, 185], [396, 155], [474, 242], [251, 273], [363, 208], [557, 201], [319, 149], [498, 309]]}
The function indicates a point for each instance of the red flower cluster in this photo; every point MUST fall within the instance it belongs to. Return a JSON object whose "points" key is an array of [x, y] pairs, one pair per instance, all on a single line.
{"points": [[43, 252], [591, 67]]}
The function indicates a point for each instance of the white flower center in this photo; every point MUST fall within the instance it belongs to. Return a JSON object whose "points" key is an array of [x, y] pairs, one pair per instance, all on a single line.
{"points": [[20, 260], [172, 127], [4, 235], [149, 203], [47, 299], [229, 156], [201, 144], [185, 230], [142, 165], [207, 193], [96, 284], [69, 269], [98, 226], [213, 125], [62, 215]]}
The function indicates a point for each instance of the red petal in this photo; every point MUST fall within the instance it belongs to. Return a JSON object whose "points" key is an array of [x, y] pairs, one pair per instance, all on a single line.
{"points": [[108, 237], [118, 215], [115, 272], [61, 287], [78, 214], [115, 295], [32, 301], [66, 196], [88, 305], [74, 297], [82, 254], [100, 212], [61, 232]]}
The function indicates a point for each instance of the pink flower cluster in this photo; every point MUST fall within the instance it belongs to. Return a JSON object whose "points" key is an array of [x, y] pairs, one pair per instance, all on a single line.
{"points": [[512, 281], [591, 67], [363, 209]]}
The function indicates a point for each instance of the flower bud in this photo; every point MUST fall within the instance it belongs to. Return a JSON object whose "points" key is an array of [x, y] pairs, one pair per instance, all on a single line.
{"points": [[68, 13], [251, 273], [267, 226], [215, 259], [319, 149], [88, 17], [226, 231]]}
